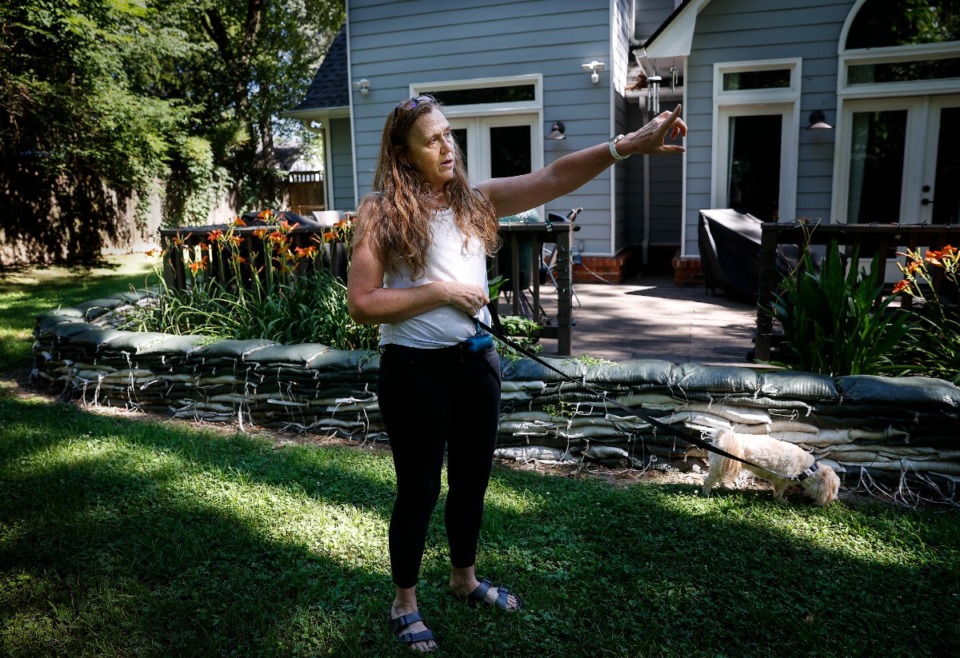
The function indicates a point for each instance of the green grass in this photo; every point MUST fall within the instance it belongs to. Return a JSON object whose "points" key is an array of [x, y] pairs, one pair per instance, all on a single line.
{"points": [[124, 536], [24, 294]]}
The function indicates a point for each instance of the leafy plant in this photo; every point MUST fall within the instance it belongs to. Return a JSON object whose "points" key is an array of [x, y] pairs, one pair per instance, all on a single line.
{"points": [[282, 292], [837, 321], [522, 331], [934, 348]]}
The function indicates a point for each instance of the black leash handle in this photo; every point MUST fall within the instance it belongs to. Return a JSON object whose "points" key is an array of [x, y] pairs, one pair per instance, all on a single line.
{"points": [[685, 434]]}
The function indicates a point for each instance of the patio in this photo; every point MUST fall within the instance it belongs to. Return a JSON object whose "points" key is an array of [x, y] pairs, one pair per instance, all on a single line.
{"points": [[648, 317]]}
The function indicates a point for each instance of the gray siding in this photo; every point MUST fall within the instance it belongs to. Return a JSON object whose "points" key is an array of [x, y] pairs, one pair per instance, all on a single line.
{"points": [[341, 152], [666, 193], [745, 30], [395, 44]]}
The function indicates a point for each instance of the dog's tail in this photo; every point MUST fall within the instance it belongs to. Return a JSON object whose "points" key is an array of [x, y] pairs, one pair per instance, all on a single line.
{"points": [[729, 469]]}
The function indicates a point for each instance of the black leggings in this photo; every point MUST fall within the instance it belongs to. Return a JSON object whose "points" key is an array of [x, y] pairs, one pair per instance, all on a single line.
{"points": [[431, 400]]}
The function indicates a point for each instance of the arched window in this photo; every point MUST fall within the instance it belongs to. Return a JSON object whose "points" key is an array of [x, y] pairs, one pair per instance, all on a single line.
{"points": [[905, 25], [883, 23]]}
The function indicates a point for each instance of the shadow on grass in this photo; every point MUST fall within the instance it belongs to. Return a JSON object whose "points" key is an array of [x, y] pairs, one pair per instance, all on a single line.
{"points": [[123, 537]]}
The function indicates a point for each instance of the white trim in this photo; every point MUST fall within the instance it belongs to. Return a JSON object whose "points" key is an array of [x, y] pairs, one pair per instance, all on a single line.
{"points": [[914, 97], [753, 102], [353, 118], [744, 96], [486, 109], [613, 128]]}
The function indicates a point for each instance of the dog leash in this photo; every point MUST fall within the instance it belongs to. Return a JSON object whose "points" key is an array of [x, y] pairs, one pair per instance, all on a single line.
{"points": [[686, 434]]}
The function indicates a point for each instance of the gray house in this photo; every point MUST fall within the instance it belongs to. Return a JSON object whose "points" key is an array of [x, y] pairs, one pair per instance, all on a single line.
{"points": [[843, 110]]}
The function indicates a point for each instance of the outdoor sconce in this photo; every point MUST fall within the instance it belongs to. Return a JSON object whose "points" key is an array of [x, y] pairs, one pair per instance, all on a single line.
{"points": [[594, 67], [818, 121], [557, 131], [363, 85]]}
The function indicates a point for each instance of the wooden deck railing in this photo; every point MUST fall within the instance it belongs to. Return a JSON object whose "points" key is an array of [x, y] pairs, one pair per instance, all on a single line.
{"points": [[885, 239]]}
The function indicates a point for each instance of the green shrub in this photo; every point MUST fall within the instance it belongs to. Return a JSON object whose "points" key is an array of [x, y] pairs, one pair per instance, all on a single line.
{"points": [[287, 294], [837, 321]]}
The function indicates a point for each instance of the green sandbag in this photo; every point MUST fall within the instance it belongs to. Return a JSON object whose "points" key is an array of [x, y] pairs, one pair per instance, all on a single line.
{"points": [[96, 338], [231, 349], [132, 341], [293, 355], [170, 345], [909, 392], [805, 386], [718, 380], [639, 373], [364, 361], [64, 330]]}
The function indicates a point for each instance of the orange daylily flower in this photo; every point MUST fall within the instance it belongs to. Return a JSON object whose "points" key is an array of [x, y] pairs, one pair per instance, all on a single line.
{"points": [[901, 286], [238, 259], [264, 214], [150, 253], [913, 266], [215, 235], [303, 252], [260, 233], [236, 240], [198, 265], [238, 221], [276, 235], [287, 226]]}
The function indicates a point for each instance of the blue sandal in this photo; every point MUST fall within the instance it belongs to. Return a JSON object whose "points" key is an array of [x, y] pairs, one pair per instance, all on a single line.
{"points": [[403, 621], [479, 595]]}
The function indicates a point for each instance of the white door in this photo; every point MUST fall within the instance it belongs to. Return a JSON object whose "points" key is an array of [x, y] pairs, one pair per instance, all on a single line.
{"points": [[904, 160], [904, 163]]}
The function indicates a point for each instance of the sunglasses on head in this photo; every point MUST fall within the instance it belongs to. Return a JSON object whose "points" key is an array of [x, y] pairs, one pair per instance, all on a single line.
{"points": [[423, 99]]}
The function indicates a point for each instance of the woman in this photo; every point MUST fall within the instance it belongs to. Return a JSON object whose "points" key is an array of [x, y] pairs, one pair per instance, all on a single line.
{"points": [[419, 270]]}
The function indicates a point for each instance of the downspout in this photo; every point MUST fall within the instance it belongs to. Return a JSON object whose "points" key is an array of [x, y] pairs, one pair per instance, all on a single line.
{"points": [[645, 242], [634, 41]]}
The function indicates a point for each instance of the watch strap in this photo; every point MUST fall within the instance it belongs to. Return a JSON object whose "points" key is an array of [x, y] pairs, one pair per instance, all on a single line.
{"points": [[613, 148]]}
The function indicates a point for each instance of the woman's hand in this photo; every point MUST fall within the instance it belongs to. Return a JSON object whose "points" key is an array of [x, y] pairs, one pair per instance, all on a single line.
{"points": [[649, 140], [464, 296]]}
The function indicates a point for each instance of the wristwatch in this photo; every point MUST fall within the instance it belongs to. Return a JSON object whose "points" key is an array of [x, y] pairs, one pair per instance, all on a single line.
{"points": [[613, 148]]}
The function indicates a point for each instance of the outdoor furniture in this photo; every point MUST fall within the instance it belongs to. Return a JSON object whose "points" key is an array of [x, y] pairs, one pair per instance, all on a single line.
{"points": [[524, 241], [884, 239]]}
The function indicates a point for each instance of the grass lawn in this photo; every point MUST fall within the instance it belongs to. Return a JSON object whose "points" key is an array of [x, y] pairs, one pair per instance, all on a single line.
{"points": [[133, 536]]}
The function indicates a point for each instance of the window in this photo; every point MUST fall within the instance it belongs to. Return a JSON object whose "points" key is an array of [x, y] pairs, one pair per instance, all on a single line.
{"points": [[916, 22], [483, 95], [755, 137]]}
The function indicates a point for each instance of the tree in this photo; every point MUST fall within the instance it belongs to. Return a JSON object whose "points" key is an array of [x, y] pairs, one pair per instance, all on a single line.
{"points": [[103, 102]]}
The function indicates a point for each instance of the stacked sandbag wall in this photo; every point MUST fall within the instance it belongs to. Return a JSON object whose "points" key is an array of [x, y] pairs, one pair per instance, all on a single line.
{"points": [[900, 433]]}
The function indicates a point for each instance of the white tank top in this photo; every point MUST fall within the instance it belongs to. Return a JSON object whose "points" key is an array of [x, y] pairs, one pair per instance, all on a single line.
{"points": [[447, 260]]}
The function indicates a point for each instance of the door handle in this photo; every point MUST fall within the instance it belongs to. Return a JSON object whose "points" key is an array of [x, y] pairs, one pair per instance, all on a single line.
{"points": [[926, 202]]}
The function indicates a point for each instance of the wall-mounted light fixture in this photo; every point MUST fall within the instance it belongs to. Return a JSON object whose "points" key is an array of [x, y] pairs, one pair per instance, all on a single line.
{"points": [[818, 121], [363, 85], [594, 67], [557, 131]]}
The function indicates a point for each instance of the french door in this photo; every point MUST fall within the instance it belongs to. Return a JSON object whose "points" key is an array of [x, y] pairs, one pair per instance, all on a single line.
{"points": [[903, 165], [904, 160], [496, 146]]}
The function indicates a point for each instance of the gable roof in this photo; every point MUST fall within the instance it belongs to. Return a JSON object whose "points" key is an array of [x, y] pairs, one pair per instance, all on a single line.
{"points": [[331, 86], [675, 35]]}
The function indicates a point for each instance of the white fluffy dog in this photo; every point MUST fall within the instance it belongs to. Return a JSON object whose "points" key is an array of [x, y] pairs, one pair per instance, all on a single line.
{"points": [[819, 482]]}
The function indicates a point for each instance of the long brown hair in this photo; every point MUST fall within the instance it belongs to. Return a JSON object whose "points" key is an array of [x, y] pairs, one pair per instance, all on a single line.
{"points": [[396, 216]]}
